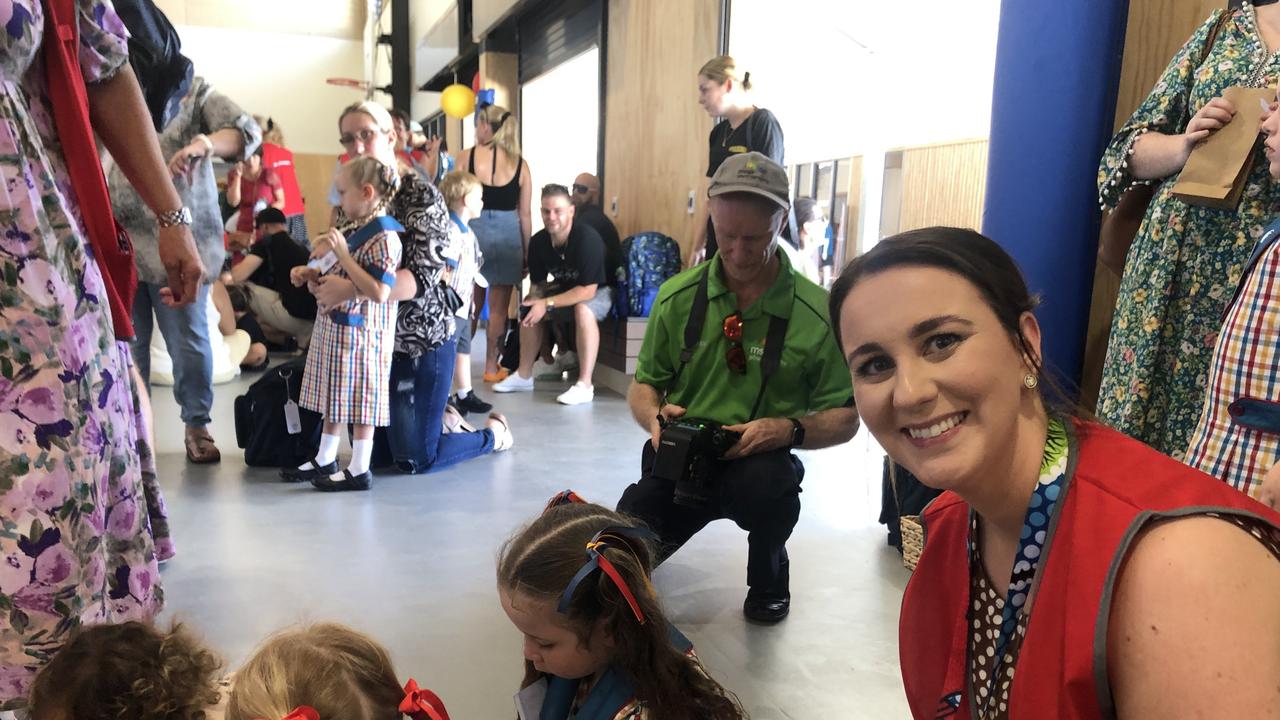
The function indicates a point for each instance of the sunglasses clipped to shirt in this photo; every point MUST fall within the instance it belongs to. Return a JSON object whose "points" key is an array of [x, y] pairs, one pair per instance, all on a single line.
{"points": [[735, 357]]}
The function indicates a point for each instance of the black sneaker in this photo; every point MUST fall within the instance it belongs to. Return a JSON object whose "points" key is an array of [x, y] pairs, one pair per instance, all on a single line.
{"points": [[348, 482], [471, 404]]}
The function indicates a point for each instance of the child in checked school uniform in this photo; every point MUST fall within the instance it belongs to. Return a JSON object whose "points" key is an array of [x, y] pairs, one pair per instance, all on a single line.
{"points": [[349, 362]]}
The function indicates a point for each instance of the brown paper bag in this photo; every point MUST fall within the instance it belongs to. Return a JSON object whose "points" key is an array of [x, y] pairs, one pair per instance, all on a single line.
{"points": [[1215, 173]]}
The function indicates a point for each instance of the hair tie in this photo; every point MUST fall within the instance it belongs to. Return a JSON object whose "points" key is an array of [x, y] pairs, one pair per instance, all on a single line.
{"points": [[302, 712], [501, 121], [419, 703], [597, 561], [564, 497]]}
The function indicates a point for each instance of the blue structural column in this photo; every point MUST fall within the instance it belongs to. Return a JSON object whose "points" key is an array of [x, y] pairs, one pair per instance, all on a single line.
{"points": [[1057, 71]]}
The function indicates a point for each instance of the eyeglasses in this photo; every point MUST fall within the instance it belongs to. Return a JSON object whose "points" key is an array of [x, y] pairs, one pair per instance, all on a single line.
{"points": [[365, 136], [735, 357], [581, 189]]}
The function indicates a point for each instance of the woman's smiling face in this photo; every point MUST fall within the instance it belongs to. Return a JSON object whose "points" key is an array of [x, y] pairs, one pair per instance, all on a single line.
{"points": [[937, 379]]}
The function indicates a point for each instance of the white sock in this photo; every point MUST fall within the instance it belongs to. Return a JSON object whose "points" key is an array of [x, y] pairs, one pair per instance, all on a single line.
{"points": [[361, 454], [463, 392], [328, 451]]}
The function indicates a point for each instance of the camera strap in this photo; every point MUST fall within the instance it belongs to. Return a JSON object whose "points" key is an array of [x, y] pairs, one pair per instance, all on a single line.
{"points": [[693, 332]]}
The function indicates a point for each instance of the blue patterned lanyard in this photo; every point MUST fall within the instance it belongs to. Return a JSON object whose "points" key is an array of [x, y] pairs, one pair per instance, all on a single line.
{"points": [[1035, 529]]}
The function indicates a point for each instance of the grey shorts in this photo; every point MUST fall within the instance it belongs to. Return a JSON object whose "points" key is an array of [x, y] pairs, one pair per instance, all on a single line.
{"points": [[599, 306], [462, 334]]}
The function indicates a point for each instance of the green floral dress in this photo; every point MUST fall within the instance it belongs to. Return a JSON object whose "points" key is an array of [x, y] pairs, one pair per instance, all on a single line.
{"points": [[1186, 260]]}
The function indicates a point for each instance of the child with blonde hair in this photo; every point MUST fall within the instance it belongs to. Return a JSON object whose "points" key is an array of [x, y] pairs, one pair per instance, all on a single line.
{"points": [[348, 369], [131, 670], [597, 646], [326, 672], [464, 195]]}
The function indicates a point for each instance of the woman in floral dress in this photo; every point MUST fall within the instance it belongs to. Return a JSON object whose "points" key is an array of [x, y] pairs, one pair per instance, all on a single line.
{"points": [[75, 543], [1186, 260]]}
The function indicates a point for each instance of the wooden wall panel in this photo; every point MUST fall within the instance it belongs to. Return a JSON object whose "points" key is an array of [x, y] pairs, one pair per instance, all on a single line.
{"points": [[853, 214], [943, 185], [315, 174], [1156, 29], [501, 71], [656, 149]]}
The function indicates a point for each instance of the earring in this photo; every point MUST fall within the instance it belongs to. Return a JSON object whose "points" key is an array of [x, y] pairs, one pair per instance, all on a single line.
{"points": [[1030, 381]]}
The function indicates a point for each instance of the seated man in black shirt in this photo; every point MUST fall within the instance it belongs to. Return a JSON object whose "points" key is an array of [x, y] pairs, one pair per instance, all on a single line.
{"points": [[566, 268], [586, 209], [264, 272]]}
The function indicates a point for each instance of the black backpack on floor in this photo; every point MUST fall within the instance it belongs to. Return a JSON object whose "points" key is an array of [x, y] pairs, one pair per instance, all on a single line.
{"points": [[261, 430]]}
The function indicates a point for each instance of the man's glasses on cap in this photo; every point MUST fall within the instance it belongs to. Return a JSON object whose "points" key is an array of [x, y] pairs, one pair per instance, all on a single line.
{"points": [[735, 357]]}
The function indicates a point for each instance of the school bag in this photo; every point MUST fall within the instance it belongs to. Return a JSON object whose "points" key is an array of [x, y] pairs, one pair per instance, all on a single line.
{"points": [[262, 429], [652, 258]]}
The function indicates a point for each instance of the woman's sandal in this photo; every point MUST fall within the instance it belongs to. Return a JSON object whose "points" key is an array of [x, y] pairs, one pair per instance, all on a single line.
{"points": [[502, 437], [200, 447]]}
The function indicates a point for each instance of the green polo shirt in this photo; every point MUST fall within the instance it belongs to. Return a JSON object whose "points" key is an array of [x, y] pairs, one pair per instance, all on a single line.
{"points": [[811, 377]]}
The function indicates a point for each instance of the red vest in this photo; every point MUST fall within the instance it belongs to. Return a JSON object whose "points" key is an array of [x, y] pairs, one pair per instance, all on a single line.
{"points": [[1117, 486]]}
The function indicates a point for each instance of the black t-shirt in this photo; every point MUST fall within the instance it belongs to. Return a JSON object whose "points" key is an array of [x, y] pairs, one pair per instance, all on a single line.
{"points": [[593, 216], [760, 132], [280, 254], [579, 262]]}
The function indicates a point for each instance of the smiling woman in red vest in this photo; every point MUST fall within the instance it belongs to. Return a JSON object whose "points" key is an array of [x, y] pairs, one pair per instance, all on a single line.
{"points": [[1068, 571]]}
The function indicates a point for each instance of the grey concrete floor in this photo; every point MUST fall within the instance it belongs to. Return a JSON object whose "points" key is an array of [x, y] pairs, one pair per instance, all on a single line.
{"points": [[412, 562]]}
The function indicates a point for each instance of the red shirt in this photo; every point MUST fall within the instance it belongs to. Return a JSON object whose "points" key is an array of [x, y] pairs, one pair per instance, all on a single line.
{"points": [[251, 191], [1118, 486], [281, 161]]}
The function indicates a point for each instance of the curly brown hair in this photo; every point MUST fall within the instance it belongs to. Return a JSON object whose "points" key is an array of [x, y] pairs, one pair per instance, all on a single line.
{"points": [[540, 560], [132, 670]]}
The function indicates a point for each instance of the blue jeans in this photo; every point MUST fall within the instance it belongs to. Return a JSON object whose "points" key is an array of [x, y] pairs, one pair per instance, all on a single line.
{"points": [[419, 390], [186, 333]]}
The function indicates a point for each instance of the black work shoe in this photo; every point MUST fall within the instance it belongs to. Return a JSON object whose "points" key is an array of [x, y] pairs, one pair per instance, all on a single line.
{"points": [[471, 404], [764, 608], [293, 474], [348, 482]]}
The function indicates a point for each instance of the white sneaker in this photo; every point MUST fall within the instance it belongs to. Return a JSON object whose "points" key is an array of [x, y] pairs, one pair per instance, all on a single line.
{"points": [[577, 395], [514, 383]]}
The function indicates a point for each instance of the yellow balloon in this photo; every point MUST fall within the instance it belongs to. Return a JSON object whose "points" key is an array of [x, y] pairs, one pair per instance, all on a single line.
{"points": [[458, 101]]}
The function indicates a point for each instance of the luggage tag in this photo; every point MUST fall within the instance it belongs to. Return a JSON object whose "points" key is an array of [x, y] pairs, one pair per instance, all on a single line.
{"points": [[323, 263], [292, 422]]}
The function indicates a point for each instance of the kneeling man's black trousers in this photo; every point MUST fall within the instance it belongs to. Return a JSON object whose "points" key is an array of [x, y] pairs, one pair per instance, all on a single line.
{"points": [[761, 493]]}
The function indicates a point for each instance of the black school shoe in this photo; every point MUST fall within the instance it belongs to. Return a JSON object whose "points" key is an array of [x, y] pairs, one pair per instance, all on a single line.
{"points": [[294, 475], [348, 482], [471, 404], [766, 608]]}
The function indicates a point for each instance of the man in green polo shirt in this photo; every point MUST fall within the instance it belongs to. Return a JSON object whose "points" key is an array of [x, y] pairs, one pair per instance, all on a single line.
{"points": [[778, 398]]}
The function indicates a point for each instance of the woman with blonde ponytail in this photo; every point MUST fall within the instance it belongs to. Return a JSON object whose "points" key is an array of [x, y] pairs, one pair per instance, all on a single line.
{"points": [[724, 91], [504, 226]]}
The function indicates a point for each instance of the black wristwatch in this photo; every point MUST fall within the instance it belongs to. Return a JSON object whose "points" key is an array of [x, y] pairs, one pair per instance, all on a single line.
{"points": [[797, 433]]}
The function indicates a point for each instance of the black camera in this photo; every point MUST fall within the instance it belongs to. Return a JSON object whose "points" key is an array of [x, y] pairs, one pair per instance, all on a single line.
{"points": [[687, 453]]}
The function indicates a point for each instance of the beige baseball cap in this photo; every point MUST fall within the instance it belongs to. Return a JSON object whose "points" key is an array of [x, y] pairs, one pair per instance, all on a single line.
{"points": [[752, 173]]}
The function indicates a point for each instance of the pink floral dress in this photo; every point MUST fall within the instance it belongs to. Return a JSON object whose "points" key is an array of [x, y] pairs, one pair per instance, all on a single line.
{"points": [[75, 538]]}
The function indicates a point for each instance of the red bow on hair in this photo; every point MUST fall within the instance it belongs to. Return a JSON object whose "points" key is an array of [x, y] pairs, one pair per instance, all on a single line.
{"points": [[421, 703], [302, 712]]}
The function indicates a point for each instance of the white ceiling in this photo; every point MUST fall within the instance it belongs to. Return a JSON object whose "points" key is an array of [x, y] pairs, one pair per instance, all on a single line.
{"points": [[325, 18]]}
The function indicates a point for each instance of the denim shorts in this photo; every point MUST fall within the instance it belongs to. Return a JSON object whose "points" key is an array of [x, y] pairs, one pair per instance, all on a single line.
{"points": [[498, 233]]}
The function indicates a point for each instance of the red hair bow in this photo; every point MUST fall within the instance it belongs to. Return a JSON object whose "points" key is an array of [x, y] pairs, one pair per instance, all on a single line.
{"points": [[302, 712], [420, 703]]}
